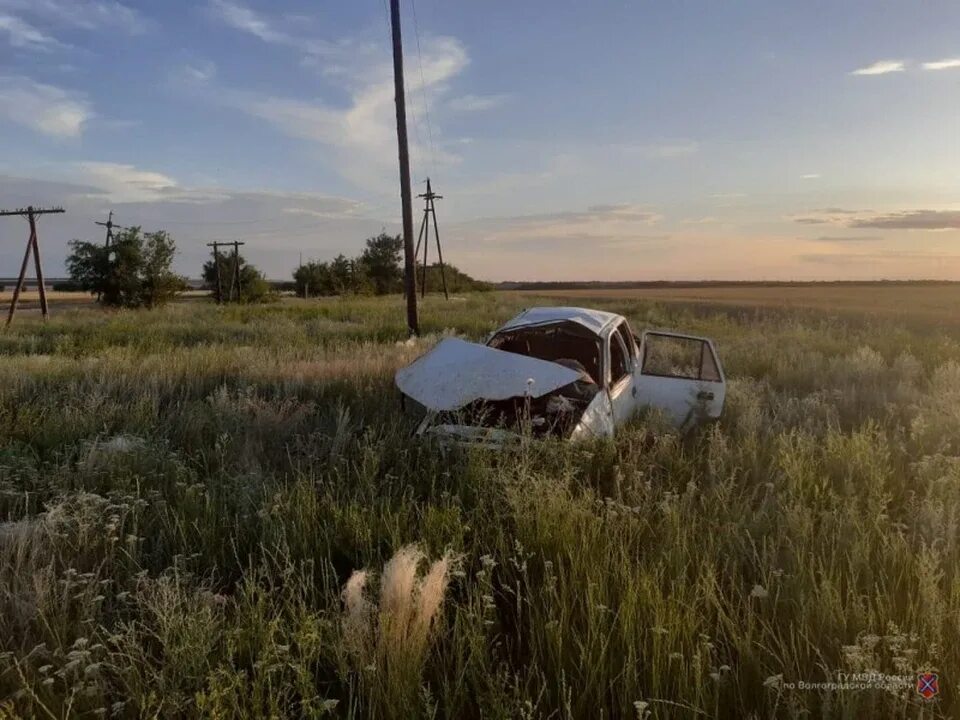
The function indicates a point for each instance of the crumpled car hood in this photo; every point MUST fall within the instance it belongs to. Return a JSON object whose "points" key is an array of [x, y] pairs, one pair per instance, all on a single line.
{"points": [[455, 373]]}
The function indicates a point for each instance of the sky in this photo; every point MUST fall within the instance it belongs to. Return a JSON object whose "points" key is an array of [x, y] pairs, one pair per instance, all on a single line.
{"points": [[686, 140]]}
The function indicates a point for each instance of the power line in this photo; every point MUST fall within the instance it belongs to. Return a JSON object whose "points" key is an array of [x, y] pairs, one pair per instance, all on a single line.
{"points": [[423, 88]]}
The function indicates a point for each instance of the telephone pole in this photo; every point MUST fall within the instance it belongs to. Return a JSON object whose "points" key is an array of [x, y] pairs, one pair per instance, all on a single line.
{"points": [[236, 272], [410, 280], [216, 265], [235, 280], [429, 210], [31, 214], [109, 225]]}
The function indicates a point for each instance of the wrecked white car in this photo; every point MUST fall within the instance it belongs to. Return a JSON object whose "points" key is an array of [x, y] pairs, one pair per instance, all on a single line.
{"points": [[562, 371]]}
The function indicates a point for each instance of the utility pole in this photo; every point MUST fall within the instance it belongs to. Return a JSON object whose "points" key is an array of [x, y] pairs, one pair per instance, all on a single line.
{"points": [[31, 214], [410, 280], [109, 225], [236, 272], [235, 280], [216, 265], [429, 210]]}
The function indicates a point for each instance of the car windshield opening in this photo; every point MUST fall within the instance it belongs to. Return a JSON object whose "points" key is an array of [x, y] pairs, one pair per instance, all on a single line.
{"points": [[566, 343]]}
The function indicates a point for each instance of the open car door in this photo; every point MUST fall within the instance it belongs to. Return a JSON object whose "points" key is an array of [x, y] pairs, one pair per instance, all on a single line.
{"points": [[680, 375]]}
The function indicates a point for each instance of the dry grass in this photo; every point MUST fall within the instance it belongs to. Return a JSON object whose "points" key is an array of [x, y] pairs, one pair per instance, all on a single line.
{"points": [[186, 494], [908, 302]]}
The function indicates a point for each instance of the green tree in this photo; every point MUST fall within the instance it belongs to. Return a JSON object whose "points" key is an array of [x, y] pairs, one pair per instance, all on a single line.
{"points": [[381, 263], [253, 285], [135, 271], [313, 279]]}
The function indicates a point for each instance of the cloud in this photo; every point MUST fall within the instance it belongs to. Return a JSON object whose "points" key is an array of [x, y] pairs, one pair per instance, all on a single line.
{"points": [[837, 211], [241, 18], [23, 35], [858, 259], [87, 15], [665, 150], [904, 220], [476, 103], [44, 108], [848, 238], [826, 216], [810, 176], [946, 64], [246, 20], [323, 226], [361, 133], [881, 67], [912, 220], [125, 183], [342, 210]]}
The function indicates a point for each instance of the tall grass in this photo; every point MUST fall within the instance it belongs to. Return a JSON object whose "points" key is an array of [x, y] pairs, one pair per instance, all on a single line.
{"points": [[220, 512]]}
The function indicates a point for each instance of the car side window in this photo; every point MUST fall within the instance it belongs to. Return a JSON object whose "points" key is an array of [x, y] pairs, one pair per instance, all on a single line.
{"points": [[619, 365], [679, 357]]}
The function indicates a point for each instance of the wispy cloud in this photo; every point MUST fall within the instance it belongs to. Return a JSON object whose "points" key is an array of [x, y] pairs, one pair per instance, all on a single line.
{"points": [[22, 34], [912, 220], [88, 15], [125, 183], [881, 67], [476, 103], [666, 149], [44, 108], [902, 220], [325, 226], [243, 19], [810, 176], [246, 20], [896, 257], [361, 134], [946, 64], [848, 238]]}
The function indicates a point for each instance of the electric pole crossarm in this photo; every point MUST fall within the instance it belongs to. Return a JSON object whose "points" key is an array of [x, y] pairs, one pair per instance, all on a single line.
{"points": [[25, 212], [31, 213]]}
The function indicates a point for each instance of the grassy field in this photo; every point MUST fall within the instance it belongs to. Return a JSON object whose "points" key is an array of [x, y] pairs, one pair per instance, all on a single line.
{"points": [[932, 303], [186, 494]]}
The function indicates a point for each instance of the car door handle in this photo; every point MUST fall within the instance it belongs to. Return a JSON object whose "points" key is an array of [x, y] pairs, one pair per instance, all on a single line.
{"points": [[704, 395], [633, 391]]}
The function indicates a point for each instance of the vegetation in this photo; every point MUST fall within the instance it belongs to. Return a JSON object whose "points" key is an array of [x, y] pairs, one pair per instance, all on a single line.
{"points": [[219, 512], [377, 271], [457, 280], [135, 271], [254, 287]]}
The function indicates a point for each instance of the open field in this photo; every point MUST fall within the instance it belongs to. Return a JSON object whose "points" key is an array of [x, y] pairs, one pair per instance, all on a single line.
{"points": [[185, 492], [906, 302]]}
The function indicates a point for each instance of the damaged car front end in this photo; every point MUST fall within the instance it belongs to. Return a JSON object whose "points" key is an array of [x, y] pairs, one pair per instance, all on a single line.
{"points": [[482, 395], [569, 373]]}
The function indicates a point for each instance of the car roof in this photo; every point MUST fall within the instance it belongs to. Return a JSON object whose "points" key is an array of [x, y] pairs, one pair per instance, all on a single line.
{"points": [[596, 321]]}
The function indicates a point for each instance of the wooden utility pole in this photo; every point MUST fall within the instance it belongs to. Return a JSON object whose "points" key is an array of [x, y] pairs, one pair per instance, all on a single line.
{"points": [[409, 265], [234, 273], [235, 277], [424, 235], [31, 214], [109, 225], [216, 265]]}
